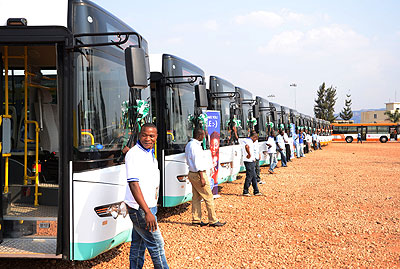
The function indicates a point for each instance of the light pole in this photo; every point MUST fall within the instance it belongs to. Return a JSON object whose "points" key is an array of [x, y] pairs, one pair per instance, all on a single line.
{"points": [[294, 85]]}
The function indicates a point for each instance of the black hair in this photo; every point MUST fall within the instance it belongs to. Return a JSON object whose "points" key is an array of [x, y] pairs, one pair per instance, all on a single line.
{"points": [[148, 125]]}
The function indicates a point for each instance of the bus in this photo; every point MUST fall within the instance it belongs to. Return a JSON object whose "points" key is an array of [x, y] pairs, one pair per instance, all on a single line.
{"points": [[244, 101], [222, 98], [382, 132], [263, 114], [174, 93], [70, 86]]}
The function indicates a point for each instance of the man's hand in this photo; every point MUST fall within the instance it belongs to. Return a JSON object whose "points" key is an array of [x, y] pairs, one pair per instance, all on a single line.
{"points": [[151, 223], [248, 156], [202, 179]]}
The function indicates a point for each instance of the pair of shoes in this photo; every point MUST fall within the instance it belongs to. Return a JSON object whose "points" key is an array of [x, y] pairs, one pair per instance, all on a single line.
{"points": [[217, 224], [201, 224], [271, 172], [258, 194], [247, 194]]}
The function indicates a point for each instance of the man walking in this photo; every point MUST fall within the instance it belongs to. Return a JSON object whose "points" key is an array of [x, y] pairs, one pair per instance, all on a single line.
{"points": [[271, 144], [249, 163], [281, 148], [141, 198], [201, 189]]}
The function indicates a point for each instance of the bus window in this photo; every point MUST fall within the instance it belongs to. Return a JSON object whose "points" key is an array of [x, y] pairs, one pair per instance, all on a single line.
{"points": [[383, 129], [352, 129], [372, 130]]}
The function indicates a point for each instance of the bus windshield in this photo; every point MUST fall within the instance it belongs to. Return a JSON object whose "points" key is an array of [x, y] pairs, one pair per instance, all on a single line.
{"points": [[180, 101]]}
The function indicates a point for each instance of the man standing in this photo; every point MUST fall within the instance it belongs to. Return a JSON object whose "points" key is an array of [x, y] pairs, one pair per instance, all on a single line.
{"points": [[141, 198], [201, 189], [314, 140], [287, 145], [301, 143], [249, 163], [271, 144], [281, 148]]}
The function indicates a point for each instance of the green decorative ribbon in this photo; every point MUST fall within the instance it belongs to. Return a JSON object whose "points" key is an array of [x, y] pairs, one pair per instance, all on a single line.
{"points": [[203, 119], [142, 109], [252, 121], [282, 126], [237, 122], [271, 124]]}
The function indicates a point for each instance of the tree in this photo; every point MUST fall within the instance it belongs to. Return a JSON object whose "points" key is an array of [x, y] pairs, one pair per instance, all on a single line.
{"points": [[393, 117], [330, 101], [319, 107], [347, 113], [324, 107]]}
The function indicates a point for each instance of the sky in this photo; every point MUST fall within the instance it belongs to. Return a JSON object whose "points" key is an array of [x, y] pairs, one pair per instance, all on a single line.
{"points": [[264, 46]]}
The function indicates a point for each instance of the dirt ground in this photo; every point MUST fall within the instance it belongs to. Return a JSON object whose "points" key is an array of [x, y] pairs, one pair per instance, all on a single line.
{"points": [[337, 207]]}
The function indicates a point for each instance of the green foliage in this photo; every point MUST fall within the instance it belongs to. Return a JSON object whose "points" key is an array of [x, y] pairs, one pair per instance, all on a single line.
{"points": [[347, 113], [324, 107], [393, 117]]}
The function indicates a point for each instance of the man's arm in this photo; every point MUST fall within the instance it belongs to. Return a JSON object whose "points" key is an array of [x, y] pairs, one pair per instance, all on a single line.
{"points": [[151, 223], [248, 151]]}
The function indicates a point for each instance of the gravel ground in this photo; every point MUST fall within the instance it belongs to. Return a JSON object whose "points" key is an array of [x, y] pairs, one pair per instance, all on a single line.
{"points": [[339, 207]]}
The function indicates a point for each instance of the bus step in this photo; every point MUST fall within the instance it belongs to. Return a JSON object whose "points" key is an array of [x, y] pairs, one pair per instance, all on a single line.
{"points": [[30, 212], [29, 248]]}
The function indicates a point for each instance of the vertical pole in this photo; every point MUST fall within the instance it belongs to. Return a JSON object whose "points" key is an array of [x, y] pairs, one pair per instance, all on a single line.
{"points": [[26, 116], [6, 113]]}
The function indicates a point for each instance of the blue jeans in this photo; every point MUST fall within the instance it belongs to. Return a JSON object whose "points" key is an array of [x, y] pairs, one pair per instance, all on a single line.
{"points": [[251, 178], [142, 238], [283, 157], [272, 161]]}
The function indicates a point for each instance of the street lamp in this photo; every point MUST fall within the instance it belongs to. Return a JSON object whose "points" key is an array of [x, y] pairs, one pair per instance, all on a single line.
{"points": [[294, 85]]}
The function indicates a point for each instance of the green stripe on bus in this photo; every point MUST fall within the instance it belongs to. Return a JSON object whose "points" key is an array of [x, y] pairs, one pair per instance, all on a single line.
{"points": [[87, 251]]}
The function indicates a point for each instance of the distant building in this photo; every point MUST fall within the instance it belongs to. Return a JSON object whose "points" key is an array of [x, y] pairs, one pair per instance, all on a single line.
{"points": [[375, 116]]}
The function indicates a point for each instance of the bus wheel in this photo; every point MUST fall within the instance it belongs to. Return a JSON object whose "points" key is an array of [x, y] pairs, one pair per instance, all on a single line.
{"points": [[349, 139], [383, 139]]}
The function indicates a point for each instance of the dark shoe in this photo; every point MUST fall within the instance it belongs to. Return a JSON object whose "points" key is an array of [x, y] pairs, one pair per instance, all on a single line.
{"points": [[201, 224], [271, 172], [217, 224]]}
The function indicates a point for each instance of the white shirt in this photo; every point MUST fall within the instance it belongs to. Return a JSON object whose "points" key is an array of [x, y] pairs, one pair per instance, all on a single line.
{"points": [[281, 143], [256, 150], [195, 156], [142, 166], [249, 143], [286, 138], [308, 138], [271, 142]]}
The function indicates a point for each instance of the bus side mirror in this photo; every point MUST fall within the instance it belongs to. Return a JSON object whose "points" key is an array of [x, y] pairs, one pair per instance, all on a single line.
{"points": [[201, 95], [256, 111], [135, 65]]}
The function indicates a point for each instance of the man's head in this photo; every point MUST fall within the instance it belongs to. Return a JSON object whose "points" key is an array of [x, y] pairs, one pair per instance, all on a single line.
{"points": [[253, 136], [198, 134], [273, 133], [148, 135]]}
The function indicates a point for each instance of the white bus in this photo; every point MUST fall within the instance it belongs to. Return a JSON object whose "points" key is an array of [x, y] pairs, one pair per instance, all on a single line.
{"points": [[64, 83]]}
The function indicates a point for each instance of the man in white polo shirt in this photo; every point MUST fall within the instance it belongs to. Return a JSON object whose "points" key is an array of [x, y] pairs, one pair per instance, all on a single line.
{"points": [[141, 198], [198, 163], [249, 163], [271, 144]]}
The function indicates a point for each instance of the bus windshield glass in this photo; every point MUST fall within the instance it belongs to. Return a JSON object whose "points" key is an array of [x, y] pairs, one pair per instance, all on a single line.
{"points": [[181, 105]]}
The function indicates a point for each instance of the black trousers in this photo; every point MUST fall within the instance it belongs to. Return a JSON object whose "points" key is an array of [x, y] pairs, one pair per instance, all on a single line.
{"points": [[288, 152]]}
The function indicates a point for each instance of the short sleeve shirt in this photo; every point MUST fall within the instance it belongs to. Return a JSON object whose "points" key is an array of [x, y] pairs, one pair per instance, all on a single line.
{"points": [[142, 166], [272, 143], [250, 143]]}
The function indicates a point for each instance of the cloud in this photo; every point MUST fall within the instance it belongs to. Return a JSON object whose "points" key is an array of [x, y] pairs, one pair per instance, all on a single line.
{"points": [[275, 19], [334, 38], [175, 40], [263, 18], [211, 25]]}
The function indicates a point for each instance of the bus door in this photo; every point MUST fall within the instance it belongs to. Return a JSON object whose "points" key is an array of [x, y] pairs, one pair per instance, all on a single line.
{"points": [[363, 131], [393, 133], [30, 151]]}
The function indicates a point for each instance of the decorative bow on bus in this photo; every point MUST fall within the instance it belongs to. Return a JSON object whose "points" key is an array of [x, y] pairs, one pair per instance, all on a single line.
{"points": [[253, 121]]}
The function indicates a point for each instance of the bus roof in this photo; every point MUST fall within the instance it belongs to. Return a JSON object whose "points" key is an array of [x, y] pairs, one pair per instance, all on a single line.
{"points": [[366, 124]]}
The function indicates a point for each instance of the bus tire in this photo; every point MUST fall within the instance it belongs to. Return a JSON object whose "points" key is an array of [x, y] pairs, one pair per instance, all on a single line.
{"points": [[349, 139], [383, 139]]}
